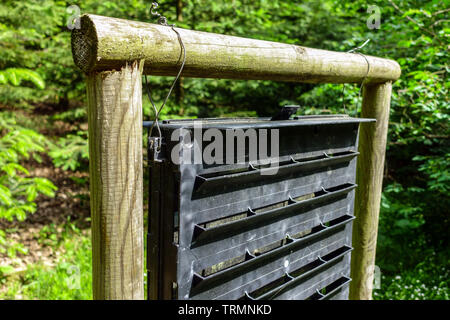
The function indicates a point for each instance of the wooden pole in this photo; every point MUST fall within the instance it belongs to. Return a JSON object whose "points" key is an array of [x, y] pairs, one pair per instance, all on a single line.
{"points": [[104, 43], [116, 185], [372, 148]]}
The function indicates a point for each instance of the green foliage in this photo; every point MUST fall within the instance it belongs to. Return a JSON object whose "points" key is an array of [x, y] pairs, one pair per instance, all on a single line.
{"points": [[415, 202], [71, 151], [69, 279], [11, 248], [427, 280], [17, 193], [34, 36], [15, 76], [74, 114]]}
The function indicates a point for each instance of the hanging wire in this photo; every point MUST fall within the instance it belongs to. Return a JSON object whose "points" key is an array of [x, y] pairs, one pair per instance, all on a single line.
{"points": [[355, 50], [163, 21]]}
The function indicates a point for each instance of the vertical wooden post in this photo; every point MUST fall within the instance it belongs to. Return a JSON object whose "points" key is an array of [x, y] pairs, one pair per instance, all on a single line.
{"points": [[116, 186], [372, 148]]}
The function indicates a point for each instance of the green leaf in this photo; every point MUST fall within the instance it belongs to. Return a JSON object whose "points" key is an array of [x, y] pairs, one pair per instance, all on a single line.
{"points": [[17, 75], [31, 193], [3, 79], [6, 270]]}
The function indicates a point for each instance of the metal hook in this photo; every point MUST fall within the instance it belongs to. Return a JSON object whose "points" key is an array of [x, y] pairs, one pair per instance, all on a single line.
{"points": [[324, 190], [288, 275], [249, 255], [319, 293], [155, 5], [322, 225], [290, 199], [289, 239], [250, 211], [252, 167], [248, 295]]}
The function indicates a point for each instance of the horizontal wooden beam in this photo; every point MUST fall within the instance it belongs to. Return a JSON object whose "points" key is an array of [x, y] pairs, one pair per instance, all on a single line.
{"points": [[104, 43]]}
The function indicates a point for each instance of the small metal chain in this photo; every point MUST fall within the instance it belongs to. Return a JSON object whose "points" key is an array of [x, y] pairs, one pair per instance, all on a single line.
{"points": [[163, 21], [355, 50]]}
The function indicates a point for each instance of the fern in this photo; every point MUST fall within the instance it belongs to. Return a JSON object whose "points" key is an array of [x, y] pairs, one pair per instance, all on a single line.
{"points": [[70, 152], [18, 192], [15, 76]]}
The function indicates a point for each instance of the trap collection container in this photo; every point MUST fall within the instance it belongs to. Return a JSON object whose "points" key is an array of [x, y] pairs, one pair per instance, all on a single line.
{"points": [[250, 230]]}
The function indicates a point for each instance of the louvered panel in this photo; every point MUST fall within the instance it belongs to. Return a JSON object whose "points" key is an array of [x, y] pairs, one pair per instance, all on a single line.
{"points": [[288, 256], [259, 237], [232, 231], [306, 284]]}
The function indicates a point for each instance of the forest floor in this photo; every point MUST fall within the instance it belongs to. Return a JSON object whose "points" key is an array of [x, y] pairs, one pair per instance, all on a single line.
{"points": [[58, 226], [69, 204], [43, 235]]}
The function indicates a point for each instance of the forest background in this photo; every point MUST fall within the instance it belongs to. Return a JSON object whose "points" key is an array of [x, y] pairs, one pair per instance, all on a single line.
{"points": [[45, 250]]}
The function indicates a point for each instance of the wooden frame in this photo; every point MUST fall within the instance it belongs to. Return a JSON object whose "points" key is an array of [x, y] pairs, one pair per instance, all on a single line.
{"points": [[114, 53]]}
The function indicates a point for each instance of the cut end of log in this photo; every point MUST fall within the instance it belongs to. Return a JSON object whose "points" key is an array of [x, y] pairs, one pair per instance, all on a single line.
{"points": [[85, 44]]}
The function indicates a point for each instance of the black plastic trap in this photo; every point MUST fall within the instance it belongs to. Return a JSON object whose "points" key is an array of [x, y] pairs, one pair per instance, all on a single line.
{"points": [[239, 231]]}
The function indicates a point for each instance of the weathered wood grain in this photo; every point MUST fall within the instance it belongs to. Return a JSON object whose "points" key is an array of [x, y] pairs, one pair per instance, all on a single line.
{"points": [[104, 43], [372, 148], [116, 185]]}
